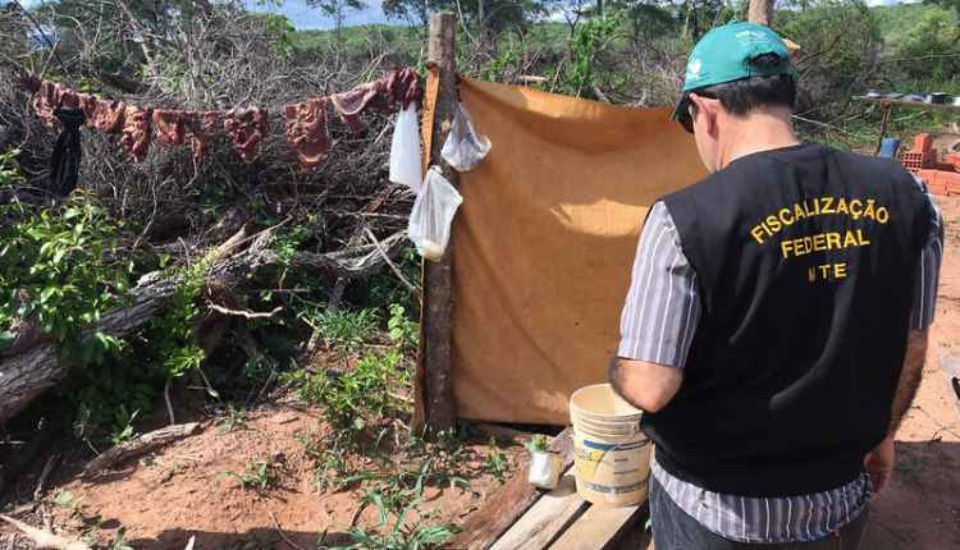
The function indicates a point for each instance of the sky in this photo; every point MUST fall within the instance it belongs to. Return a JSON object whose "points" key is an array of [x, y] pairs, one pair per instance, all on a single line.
{"points": [[306, 17]]}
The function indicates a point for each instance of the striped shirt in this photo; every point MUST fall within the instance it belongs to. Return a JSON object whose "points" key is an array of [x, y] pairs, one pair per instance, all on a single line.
{"points": [[658, 323]]}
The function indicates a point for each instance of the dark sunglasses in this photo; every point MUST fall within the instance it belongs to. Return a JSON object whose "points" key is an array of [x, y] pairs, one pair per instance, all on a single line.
{"points": [[688, 109]]}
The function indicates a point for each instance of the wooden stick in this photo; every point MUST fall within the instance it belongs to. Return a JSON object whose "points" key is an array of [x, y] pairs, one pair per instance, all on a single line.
{"points": [[140, 446], [246, 314], [44, 474], [43, 539], [166, 399], [440, 410], [393, 267], [282, 534]]}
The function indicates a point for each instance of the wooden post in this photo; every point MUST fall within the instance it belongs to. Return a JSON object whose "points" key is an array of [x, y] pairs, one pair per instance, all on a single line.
{"points": [[440, 410], [887, 108], [761, 11]]}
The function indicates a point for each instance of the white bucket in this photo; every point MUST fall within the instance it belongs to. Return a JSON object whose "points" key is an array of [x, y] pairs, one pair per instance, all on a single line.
{"points": [[611, 454]]}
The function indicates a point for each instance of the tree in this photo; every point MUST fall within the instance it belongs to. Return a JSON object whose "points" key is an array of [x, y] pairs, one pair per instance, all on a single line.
{"points": [[489, 18], [337, 10], [761, 11]]}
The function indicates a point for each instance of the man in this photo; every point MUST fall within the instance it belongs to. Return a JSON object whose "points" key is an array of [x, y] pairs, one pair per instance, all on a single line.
{"points": [[776, 323]]}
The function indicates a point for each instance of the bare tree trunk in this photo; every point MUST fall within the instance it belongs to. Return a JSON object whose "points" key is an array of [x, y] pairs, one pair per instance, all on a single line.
{"points": [[434, 361], [761, 11]]}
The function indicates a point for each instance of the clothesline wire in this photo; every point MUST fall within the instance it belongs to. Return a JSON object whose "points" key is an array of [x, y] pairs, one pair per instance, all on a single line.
{"points": [[241, 104]]}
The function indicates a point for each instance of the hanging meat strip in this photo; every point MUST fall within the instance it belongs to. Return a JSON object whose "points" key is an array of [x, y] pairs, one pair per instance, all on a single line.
{"points": [[307, 131], [45, 101], [397, 86], [350, 104], [169, 126], [201, 126], [108, 116], [67, 98], [405, 88], [246, 127], [136, 131], [88, 104]]}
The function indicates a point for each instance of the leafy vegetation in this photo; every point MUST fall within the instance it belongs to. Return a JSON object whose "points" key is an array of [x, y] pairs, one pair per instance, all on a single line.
{"points": [[399, 528], [538, 444], [233, 418], [344, 330], [344, 346], [496, 464], [62, 268], [259, 475], [353, 399]]}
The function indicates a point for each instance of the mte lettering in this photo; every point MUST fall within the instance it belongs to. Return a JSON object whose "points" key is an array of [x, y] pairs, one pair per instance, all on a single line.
{"points": [[827, 272]]}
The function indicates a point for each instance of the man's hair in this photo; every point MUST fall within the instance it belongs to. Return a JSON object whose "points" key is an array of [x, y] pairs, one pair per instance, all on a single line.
{"points": [[742, 96]]}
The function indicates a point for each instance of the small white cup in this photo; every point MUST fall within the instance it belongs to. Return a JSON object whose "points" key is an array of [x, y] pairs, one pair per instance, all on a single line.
{"points": [[544, 469]]}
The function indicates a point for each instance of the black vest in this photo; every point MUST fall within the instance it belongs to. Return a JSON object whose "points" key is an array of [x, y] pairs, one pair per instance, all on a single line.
{"points": [[806, 259]]}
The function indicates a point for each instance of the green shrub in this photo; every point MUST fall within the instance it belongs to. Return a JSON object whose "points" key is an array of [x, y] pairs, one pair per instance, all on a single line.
{"points": [[344, 330], [839, 40], [354, 398], [401, 329], [63, 269], [928, 57]]}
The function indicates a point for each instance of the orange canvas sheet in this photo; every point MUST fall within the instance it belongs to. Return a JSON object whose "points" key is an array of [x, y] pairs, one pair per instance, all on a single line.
{"points": [[545, 240]]}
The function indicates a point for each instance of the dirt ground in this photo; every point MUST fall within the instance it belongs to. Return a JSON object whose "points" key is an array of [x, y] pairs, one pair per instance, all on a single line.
{"points": [[185, 490], [921, 509]]}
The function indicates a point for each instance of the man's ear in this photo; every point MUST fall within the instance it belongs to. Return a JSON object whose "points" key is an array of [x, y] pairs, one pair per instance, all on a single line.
{"points": [[709, 107]]}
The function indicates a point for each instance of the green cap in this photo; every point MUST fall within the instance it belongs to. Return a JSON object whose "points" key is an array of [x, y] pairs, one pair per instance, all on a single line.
{"points": [[725, 54]]}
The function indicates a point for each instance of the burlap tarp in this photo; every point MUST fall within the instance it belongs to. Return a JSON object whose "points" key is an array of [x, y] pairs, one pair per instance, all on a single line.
{"points": [[545, 240]]}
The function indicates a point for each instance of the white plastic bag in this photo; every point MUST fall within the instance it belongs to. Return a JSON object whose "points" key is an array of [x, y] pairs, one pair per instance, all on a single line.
{"points": [[432, 215], [464, 149], [405, 155], [544, 471]]}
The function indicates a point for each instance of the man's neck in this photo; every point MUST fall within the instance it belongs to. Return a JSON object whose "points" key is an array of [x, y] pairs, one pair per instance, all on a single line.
{"points": [[758, 131]]}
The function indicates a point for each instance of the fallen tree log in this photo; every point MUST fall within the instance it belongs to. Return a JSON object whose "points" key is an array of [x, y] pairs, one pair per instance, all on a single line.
{"points": [[37, 368], [28, 374], [146, 443]]}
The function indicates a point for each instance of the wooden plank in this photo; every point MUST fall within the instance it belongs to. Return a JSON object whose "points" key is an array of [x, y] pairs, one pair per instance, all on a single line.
{"points": [[600, 528], [502, 509], [440, 410], [546, 519], [906, 103]]}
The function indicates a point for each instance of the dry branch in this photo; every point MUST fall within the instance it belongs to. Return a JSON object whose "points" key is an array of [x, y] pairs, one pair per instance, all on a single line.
{"points": [[30, 373], [215, 59], [43, 539], [146, 443]]}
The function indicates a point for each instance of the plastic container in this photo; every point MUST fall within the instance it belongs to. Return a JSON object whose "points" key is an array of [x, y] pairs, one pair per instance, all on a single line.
{"points": [[611, 453], [544, 469], [889, 148]]}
